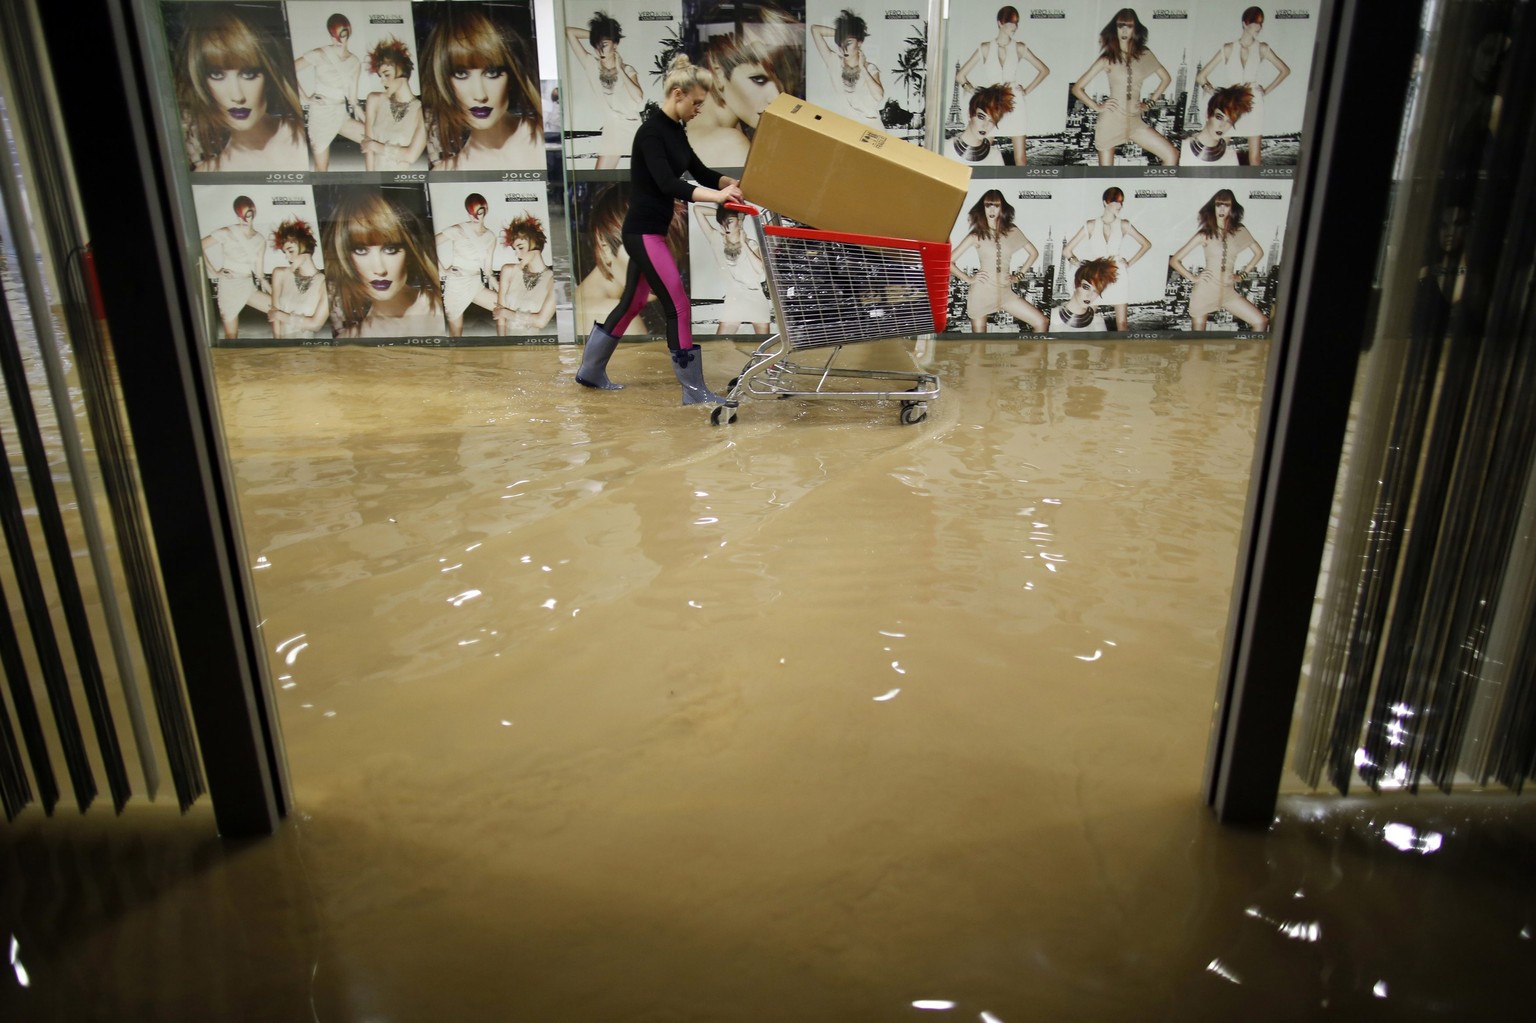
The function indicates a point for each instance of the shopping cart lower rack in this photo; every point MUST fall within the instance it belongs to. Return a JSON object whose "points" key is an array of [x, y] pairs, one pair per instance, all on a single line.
{"points": [[831, 289]]}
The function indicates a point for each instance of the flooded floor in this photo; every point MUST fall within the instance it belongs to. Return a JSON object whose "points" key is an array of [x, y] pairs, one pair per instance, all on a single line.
{"points": [[597, 713]]}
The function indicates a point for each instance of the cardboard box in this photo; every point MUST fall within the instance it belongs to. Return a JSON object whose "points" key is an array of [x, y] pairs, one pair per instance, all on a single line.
{"points": [[836, 174]]}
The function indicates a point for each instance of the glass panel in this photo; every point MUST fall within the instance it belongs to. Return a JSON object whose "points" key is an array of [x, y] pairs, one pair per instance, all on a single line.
{"points": [[1420, 664]]}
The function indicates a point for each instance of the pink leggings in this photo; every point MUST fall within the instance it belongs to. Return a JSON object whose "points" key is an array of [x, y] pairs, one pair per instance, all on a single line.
{"points": [[652, 268]]}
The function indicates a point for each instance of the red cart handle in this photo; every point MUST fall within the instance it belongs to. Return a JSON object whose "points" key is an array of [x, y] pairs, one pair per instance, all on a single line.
{"points": [[743, 207]]}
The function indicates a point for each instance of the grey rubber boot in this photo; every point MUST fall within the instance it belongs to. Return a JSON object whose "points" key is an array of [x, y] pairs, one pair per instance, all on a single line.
{"points": [[688, 363], [594, 360]]}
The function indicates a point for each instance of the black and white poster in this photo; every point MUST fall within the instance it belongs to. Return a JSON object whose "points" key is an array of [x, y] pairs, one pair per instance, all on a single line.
{"points": [[869, 62], [616, 57]]}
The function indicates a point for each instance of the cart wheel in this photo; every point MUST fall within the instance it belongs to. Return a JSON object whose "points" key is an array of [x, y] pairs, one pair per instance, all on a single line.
{"points": [[732, 385], [714, 417], [913, 413]]}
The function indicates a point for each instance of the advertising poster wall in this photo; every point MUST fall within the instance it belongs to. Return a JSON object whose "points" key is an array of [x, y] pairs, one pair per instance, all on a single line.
{"points": [[1134, 119], [350, 135]]}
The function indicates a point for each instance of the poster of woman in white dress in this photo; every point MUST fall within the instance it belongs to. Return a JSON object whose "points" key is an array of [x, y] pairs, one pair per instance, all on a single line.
{"points": [[1013, 49], [616, 55], [1268, 49], [338, 51], [491, 239], [250, 237], [729, 280], [869, 62]]}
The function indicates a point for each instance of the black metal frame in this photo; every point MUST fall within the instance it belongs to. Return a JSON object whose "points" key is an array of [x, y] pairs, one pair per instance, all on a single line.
{"points": [[128, 203], [1362, 72]]}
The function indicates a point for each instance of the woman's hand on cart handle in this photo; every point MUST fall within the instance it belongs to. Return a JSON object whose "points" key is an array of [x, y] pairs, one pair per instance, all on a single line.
{"points": [[743, 207]]}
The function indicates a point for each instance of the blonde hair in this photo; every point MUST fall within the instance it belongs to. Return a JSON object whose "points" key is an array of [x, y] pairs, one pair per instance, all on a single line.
{"points": [[468, 39], [362, 217], [219, 40], [684, 74]]}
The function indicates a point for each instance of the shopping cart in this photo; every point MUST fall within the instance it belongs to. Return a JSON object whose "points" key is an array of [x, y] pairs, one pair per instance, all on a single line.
{"points": [[829, 290]]}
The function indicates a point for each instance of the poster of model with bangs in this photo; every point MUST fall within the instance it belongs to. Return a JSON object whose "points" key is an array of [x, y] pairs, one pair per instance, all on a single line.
{"points": [[492, 244], [617, 57], [1129, 73], [235, 88], [258, 249], [480, 85], [756, 51], [381, 263], [357, 72], [869, 62], [1224, 273], [1001, 281]]}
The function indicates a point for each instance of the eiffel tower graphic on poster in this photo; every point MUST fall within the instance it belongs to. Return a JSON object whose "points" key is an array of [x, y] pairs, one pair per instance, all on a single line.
{"points": [[954, 121]]}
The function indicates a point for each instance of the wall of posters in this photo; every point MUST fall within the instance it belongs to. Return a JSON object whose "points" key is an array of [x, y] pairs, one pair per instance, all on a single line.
{"points": [[1132, 165], [1098, 134], [1095, 132], [364, 172]]}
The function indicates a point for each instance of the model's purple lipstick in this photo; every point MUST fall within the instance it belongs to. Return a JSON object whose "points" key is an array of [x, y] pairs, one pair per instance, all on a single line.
{"points": [[239, 113], [378, 285], [480, 113]]}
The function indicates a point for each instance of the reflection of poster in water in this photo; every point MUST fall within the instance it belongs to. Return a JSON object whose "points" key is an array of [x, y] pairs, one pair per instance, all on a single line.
{"points": [[1226, 253], [600, 262], [1129, 76], [260, 255], [1271, 53], [381, 262], [480, 85], [238, 98], [492, 243], [729, 284], [1006, 80], [756, 51], [617, 58], [359, 80], [869, 62]]}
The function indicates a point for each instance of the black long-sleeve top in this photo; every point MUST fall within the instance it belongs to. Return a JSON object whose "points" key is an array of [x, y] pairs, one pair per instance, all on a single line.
{"points": [[661, 153]]}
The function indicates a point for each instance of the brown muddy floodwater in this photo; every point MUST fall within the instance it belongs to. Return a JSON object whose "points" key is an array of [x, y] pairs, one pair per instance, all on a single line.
{"points": [[597, 713]]}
